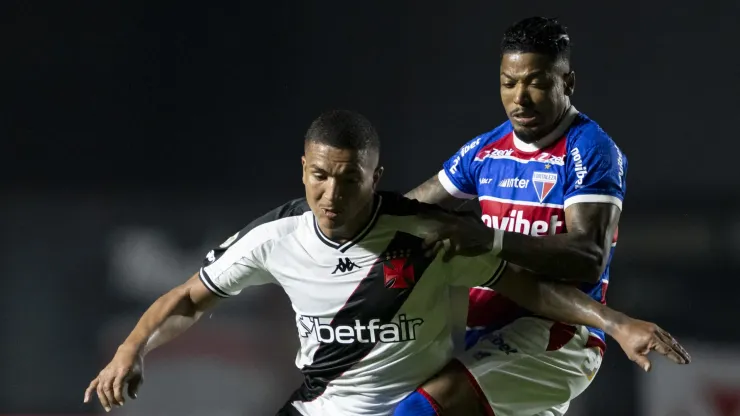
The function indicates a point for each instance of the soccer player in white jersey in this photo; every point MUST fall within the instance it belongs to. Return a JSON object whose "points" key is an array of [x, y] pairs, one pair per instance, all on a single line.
{"points": [[372, 305]]}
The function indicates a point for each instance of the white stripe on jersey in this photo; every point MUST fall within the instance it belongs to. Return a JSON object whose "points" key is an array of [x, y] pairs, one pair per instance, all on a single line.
{"points": [[606, 199], [450, 187], [516, 202]]}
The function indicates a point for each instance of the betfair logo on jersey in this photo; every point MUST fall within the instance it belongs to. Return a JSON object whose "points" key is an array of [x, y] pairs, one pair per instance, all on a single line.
{"points": [[372, 332], [345, 265]]}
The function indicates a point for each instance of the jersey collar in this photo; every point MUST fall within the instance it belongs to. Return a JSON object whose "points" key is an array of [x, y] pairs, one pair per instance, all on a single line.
{"points": [[557, 133], [365, 230]]}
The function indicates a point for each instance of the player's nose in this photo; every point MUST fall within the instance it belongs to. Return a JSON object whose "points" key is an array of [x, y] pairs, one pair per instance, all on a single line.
{"points": [[333, 191], [521, 96]]}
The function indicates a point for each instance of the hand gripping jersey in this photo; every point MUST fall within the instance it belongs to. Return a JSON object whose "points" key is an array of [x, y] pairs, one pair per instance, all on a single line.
{"points": [[526, 188], [373, 314]]}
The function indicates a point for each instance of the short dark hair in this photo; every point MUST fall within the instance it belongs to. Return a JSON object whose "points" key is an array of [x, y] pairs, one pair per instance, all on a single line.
{"points": [[344, 129], [542, 35]]}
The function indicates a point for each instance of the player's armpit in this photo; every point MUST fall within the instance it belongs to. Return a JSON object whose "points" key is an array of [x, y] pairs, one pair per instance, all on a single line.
{"points": [[432, 192], [556, 301]]}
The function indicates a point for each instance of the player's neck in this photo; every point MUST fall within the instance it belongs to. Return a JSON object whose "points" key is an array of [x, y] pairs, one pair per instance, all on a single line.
{"points": [[532, 144], [354, 226]]}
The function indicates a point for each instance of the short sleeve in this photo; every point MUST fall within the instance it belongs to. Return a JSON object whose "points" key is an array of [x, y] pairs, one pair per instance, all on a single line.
{"points": [[240, 261], [459, 173], [482, 270], [596, 170], [237, 263]]}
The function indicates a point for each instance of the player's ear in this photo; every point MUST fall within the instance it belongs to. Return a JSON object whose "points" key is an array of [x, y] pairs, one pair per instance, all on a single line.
{"points": [[303, 168], [377, 175], [570, 83]]}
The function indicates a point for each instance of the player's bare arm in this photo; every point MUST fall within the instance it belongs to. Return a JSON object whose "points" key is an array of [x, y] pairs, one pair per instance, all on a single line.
{"points": [[581, 254], [468, 236], [432, 192], [565, 303], [169, 316], [450, 387]]}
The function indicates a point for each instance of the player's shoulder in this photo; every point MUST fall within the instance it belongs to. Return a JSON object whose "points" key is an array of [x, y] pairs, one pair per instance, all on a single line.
{"points": [[275, 224], [485, 139], [498, 133], [587, 133]]}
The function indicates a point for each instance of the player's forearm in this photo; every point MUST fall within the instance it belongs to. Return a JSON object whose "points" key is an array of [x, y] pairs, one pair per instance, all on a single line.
{"points": [[432, 192], [566, 257], [169, 316], [565, 303]]}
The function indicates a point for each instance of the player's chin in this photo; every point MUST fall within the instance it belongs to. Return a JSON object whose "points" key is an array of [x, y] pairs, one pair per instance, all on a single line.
{"points": [[528, 133], [331, 223]]}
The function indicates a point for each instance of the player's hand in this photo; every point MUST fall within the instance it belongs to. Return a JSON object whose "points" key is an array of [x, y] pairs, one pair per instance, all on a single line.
{"points": [[637, 338], [126, 368], [459, 233]]}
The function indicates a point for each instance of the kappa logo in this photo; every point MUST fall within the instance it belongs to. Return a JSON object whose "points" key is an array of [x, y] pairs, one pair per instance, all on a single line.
{"points": [[345, 265], [398, 270], [543, 183]]}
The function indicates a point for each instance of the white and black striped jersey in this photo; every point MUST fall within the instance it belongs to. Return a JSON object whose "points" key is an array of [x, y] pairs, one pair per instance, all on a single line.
{"points": [[373, 314]]}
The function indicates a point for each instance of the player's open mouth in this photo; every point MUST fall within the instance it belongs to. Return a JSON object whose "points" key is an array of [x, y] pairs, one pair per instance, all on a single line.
{"points": [[330, 213]]}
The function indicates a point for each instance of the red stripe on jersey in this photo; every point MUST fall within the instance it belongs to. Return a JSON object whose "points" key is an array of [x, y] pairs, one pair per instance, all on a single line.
{"points": [[523, 219], [596, 342], [560, 334]]}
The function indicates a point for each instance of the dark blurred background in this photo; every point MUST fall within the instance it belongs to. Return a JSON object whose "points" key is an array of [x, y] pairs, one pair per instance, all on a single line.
{"points": [[135, 136]]}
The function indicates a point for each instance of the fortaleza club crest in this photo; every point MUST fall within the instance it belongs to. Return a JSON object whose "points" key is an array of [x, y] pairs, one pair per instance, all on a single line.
{"points": [[543, 183]]}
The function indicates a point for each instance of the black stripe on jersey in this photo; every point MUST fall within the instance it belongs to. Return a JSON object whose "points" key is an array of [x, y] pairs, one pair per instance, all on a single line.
{"points": [[288, 410], [210, 285], [371, 300], [377, 202], [324, 239], [293, 208], [496, 275]]}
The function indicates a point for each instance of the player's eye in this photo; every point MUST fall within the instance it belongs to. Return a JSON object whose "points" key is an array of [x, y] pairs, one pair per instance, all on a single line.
{"points": [[540, 84], [352, 180], [319, 176], [508, 84]]}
